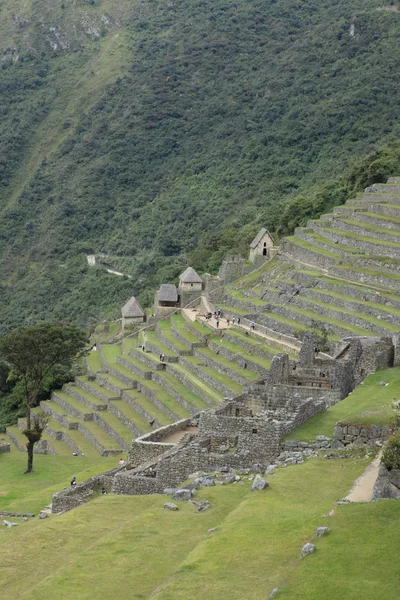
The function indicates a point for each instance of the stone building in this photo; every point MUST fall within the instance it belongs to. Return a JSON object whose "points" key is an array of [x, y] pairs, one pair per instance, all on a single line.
{"points": [[190, 281], [262, 245], [166, 300], [132, 313]]}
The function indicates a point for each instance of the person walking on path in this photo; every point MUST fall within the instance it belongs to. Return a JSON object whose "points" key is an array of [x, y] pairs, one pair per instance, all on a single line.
{"points": [[238, 320], [217, 323], [73, 481]]}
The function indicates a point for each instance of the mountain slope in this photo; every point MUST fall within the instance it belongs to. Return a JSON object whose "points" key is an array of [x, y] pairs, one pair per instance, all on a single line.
{"points": [[137, 129]]}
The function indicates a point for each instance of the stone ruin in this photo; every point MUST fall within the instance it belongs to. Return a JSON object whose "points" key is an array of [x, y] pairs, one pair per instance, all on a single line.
{"points": [[247, 429]]}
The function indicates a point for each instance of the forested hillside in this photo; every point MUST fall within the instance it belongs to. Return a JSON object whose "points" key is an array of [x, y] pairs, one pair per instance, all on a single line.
{"points": [[153, 130]]}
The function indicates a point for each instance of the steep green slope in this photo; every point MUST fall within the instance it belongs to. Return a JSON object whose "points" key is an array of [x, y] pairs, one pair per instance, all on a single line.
{"points": [[137, 130]]}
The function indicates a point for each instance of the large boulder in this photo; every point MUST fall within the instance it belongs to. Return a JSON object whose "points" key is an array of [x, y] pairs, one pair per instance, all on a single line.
{"points": [[182, 494], [170, 506], [321, 531], [383, 489], [307, 549], [259, 483]]}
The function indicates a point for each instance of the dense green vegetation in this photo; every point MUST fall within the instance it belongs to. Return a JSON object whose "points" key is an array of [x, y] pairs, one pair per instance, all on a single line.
{"points": [[158, 132]]}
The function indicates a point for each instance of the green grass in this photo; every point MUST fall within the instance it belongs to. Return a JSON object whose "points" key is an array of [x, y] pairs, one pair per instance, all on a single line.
{"points": [[316, 249], [362, 270], [239, 296], [352, 557], [149, 407], [162, 348], [165, 329], [218, 359], [214, 395], [362, 238], [74, 403], [334, 322], [183, 391], [179, 323], [319, 238], [240, 351], [380, 217], [370, 404], [30, 493], [381, 307], [256, 276], [118, 426], [369, 318], [101, 436], [94, 361], [130, 413], [374, 228], [94, 385], [214, 374], [130, 548]]}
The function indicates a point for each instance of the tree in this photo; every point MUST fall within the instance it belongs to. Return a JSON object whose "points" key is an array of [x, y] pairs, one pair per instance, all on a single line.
{"points": [[33, 354]]}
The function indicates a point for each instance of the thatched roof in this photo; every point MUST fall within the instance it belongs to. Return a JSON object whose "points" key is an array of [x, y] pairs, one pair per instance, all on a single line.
{"points": [[190, 276], [132, 309], [168, 293], [259, 237]]}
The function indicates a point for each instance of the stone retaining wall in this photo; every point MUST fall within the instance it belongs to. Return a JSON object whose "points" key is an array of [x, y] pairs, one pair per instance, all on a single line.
{"points": [[113, 409], [295, 251], [361, 245], [205, 377], [133, 368], [104, 381], [152, 396], [71, 409], [144, 358], [74, 496], [345, 434], [98, 394], [158, 379], [139, 409], [74, 391], [150, 446], [214, 364], [239, 359], [110, 431], [96, 443], [187, 383], [4, 447], [168, 344]]}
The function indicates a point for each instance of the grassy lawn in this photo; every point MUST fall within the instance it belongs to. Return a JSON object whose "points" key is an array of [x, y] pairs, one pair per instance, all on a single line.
{"points": [[358, 559], [130, 548], [30, 493], [369, 404], [94, 361]]}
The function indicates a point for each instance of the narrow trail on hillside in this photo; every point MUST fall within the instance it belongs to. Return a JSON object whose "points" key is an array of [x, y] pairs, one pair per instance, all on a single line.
{"points": [[363, 485], [91, 259]]}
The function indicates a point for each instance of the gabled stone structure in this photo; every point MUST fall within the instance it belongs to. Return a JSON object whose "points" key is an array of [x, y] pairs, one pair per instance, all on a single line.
{"points": [[166, 300], [262, 246], [132, 313], [190, 281]]}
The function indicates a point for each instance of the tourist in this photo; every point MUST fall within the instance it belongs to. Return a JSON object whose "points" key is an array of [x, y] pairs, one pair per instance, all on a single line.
{"points": [[227, 321], [143, 348], [73, 481], [238, 321], [103, 491], [217, 323], [233, 321], [121, 462], [161, 357]]}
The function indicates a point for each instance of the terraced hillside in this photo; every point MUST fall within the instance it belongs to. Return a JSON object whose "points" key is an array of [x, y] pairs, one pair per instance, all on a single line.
{"points": [[128, 391], [342, 271]]}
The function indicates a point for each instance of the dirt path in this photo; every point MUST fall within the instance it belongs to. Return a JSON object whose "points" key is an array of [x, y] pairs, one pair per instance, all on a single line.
{"points": [[363, 485]]}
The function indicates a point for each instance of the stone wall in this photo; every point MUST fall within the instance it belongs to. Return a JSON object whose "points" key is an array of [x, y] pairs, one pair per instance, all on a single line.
{"points": [[205, 377], [4, 447], [74, 496], [149, 446], [188, 383], [346, 433]]}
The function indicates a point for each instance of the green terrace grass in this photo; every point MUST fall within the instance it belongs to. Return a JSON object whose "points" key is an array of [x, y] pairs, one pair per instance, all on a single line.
{"points": [[214, 374], [136, 363], [240, 351], [130, 342], [117, 425], [380, 274], [111, 351], [388, 309], [165, 329], [255, 276], [285, 320], [380, 217], [183, 391], [150, 408], [319, 238], [131, 548], [362, 238], [101, 436], [180, 411], [162, 348], [94, 385], [51, 473], [317, 249], [218, 359], [359, 555], [88, 397], [115, 381], [334, 322], [240, 296], [73, 402], [268, 345], [134, 417], [227, 310], [346, 311], [94, 361], [370, 404], [214, 395], [60, 446], [374, 228], [198, 327], [180, 324]]}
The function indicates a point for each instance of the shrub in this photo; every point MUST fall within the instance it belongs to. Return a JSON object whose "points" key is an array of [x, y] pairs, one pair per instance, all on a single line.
{"points": [[391, 454]]}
